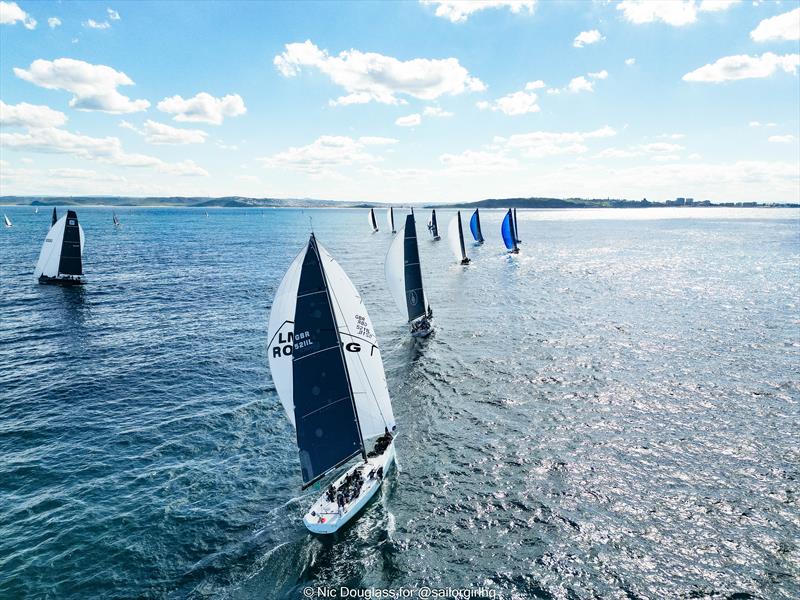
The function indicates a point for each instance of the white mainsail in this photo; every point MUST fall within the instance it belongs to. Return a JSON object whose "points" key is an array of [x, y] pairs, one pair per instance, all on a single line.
{"points": [[50, 255], [390, 219], [454, 239], [7, 220]]}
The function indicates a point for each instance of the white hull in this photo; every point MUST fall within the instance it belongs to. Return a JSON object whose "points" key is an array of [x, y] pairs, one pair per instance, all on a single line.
{"points": [[324, 517]]}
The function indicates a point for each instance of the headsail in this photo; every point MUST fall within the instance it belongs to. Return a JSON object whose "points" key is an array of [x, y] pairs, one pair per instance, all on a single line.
{"points": [[372, 222], [509, 232], [455, 235], [475, 227], [403, 272]]}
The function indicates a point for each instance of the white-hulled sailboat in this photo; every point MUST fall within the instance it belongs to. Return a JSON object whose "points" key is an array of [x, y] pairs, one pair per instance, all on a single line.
{"points": [[404, 276], [327, 368], [455, 235], [508, 229], [372, 222], [60, 260], [6, 221], [475, 227], [390, 219], [433, 227]]}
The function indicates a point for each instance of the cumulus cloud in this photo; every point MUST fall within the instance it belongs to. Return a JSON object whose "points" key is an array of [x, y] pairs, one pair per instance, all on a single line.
{"points": [[474, 162], [760, 124], [630, 61], [584, 38], [538, 144], [161, 134], [10, 13], [661, 147], [322, 156], [672, 12], [92, 24], [112, 14], [743, 66], [203, 108], [371, 140], [409, 120], [458, 11], [53, 22], [780, 27], [535, 85], [516, 103], [581, 83], [435, 111], [369, 76], [781, 139], [94, 87], [33, 116]]}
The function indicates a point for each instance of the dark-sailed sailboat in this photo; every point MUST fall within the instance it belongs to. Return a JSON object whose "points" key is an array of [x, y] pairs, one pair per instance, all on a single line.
{"points": [[455, 235], [115, 218], [60, 260], [372, 222], [390, 219], [433, 227], [475, 227], [404, 276], [508, 229], [327, 369]]}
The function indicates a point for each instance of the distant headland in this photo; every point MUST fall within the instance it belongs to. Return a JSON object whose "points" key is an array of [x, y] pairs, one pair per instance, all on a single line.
{"points": [[245, 202]]}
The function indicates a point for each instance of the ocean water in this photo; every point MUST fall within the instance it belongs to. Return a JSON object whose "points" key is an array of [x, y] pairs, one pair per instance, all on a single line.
{"points": [[613, 413]]}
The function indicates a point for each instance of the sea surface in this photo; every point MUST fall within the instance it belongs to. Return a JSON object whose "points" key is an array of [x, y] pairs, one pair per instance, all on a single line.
{"points": [[613, 413]]}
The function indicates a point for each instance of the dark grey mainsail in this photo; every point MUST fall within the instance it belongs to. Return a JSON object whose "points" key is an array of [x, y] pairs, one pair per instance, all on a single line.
{"points": [[55, 217], [70, 263], [328, 432], [415, 298], [434, 225], [461, 240]]}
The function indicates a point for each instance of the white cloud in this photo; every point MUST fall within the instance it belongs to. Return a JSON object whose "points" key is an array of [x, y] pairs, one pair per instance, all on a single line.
{"points": [[661, 147], [112, 14], [53, 22], [94, 87], [33, 116], [742, 66], [435, 111], [322, 156], [161, 134], [368, 76], [92, 24], [516, 103], [760, 124], [580, 84], [584, 38], [671, 136], [458, 11], [616, 153], [672, 12], [474, 162], [780, 27], [372, 140], [665, 157], [203, 108], [10, 13], [539, 144], [409, 120], [535, 85], [781, 139], [630, 61]]}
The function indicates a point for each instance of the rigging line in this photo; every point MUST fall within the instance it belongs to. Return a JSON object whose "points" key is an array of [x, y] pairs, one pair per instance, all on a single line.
{"points": [[369, 383]]}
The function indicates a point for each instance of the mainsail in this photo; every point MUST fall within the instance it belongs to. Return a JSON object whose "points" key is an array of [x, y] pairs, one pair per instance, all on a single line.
{"points": [[6, 220], [433, 226], [62, 248], [403, 272], [475, 227], [326, 364], [516, 228], [55, 217], [390, 219], [455, 235], [372, 222], [509, 232]]}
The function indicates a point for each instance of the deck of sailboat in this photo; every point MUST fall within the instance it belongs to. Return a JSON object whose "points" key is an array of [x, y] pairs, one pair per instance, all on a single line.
{"points": [[326, 517]]}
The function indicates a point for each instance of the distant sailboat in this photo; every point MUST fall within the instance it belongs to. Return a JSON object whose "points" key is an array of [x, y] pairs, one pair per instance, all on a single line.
{"points": [[390, 218], [6, 221], [36, 212], [475, 227], [115, 219], [508, 230], [55, 217], [433, 227], [372, 222], [404, 275], [455, 235], [327, 369], [206, 214], [60, 260]]}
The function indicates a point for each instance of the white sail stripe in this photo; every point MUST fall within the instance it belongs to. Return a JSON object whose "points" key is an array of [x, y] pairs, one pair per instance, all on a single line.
{"points": [[317, 352]]}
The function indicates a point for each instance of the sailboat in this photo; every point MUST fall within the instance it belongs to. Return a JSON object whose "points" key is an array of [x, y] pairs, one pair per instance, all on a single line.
{"points": [[55, 217], [6, 221], [433, 227], [508, 229], [60, 260], [475, 227], [328, 371], [455, 235], [372, 222], [404, 276], [36, 212], [115, 219], [390, 218]]}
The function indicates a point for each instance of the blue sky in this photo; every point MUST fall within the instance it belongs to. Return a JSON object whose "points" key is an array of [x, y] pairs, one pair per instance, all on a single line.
{"points": [[402, 102]]}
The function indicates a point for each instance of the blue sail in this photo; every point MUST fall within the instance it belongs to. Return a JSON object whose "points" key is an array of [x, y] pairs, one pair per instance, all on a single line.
{"points": [[508, 232], [475, 226]]}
